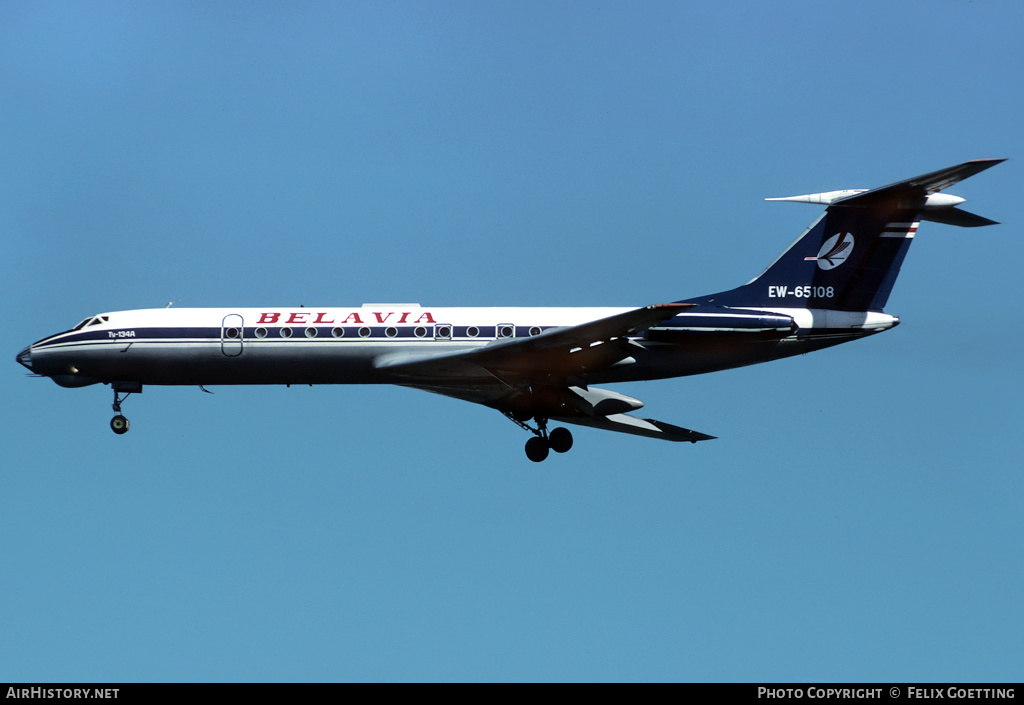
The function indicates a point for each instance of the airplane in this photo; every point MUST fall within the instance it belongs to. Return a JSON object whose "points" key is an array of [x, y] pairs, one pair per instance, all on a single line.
{"points": [[535, 364]]}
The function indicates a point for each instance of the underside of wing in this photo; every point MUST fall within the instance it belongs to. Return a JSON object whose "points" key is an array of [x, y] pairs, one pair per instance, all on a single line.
{"points": [[541, 377], [556, 353], [624, 423], [597, 408]]}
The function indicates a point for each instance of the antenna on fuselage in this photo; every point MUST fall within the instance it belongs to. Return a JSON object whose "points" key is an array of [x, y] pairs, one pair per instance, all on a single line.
{"points": [[171, 303]]}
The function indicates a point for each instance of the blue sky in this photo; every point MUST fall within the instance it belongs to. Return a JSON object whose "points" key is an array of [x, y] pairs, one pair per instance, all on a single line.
{"points": [[858, 517]]}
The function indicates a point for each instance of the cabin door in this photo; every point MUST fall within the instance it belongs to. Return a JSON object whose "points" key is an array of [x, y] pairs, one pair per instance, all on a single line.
{"points": [[231, 335]]}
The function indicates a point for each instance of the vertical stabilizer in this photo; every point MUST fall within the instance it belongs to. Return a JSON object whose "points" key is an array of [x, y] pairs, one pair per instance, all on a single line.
{"points": [[849, 258]]}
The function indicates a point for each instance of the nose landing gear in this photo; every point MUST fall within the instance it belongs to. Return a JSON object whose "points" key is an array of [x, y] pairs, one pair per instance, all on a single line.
{"points": [[119, 424]]}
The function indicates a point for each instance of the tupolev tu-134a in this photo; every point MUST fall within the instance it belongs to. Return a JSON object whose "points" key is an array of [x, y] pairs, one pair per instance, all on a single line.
{"points": [[535, 365]]}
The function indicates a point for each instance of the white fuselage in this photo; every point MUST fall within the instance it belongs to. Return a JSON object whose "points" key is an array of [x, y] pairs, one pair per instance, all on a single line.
{"points": [[299, 345]]}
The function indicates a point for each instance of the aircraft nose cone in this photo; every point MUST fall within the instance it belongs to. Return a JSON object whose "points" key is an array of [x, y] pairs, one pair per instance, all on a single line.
{"points": [[25, 358]]}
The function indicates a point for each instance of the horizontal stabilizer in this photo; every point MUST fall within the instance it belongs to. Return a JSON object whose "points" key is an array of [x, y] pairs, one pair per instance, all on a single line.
{"points": [[624, 423], [920, 193], [920, 186], [955, 216]]}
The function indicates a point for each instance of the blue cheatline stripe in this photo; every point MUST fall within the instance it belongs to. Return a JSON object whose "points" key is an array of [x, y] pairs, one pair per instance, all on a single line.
{"points": [[324, 334]]}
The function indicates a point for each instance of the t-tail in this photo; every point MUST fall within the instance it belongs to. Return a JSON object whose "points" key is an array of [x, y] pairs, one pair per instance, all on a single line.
{"points": [[849, 258]]}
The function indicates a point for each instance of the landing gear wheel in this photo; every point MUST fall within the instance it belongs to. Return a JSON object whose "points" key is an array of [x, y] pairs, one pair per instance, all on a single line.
{"points": [[119, 424], [560, 440], [536, 449]]}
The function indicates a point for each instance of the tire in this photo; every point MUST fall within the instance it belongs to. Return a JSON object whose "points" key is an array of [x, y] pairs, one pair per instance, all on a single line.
{"points": [[119, 424], [536, 449], [560, 440]]}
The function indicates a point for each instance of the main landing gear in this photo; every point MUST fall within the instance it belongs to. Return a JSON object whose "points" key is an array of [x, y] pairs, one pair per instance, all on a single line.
{"points": [[537, 448]]}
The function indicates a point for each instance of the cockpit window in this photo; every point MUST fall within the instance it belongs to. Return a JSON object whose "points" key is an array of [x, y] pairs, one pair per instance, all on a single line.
{"points": [[94, 321]]}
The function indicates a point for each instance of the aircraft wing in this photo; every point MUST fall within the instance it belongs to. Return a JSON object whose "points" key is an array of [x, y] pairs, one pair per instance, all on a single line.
{"points": [[510, 375], [624, 423], [597, 408], [557, 352]]}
